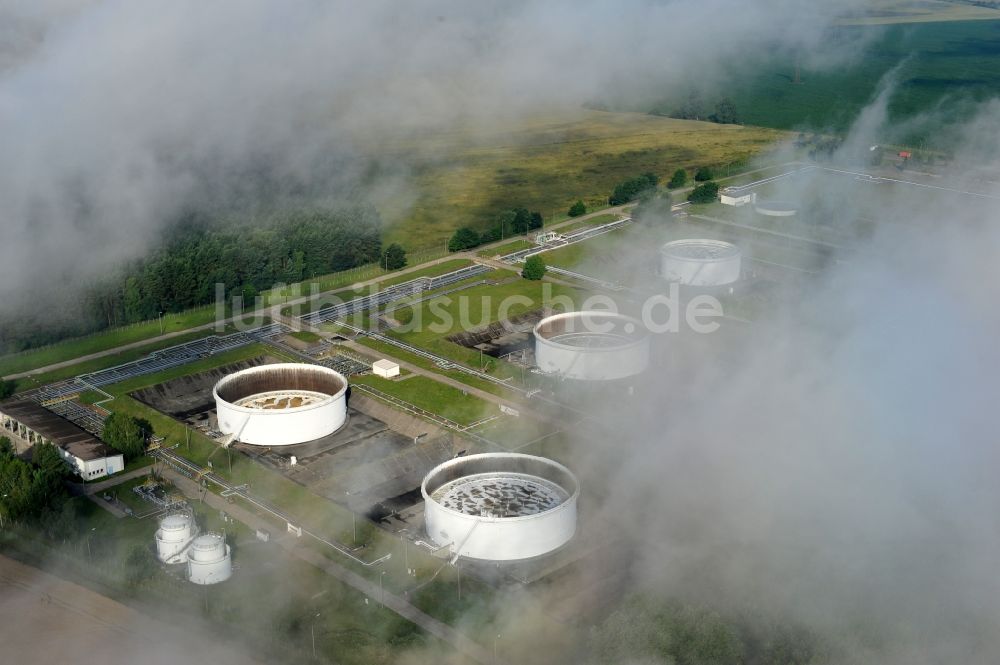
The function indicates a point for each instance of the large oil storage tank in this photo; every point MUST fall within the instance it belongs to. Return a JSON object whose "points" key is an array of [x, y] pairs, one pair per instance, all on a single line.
{"points": [[209, 560], [281, 404], [701, 262], [591, 345], [500, 506], [173, 537]]}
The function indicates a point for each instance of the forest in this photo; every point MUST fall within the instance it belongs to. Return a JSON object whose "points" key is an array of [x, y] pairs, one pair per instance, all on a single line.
{"points": [[245, 256]]}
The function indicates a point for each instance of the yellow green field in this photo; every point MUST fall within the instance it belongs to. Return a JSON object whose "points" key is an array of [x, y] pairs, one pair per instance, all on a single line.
{"points": [[886, 12], [466, 177]]}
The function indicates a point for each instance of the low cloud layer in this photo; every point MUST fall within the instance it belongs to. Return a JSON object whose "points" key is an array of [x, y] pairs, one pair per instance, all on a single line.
{"points": [[835, 469], [119, 116]]}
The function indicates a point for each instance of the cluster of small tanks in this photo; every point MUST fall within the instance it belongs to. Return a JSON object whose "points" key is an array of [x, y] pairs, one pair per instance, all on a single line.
{"points": [[206, 557]]}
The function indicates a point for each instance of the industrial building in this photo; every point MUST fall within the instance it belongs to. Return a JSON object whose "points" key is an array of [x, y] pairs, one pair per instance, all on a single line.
{"points": [[281, 404], [500, 506], [701, 262], [736, 197], [28, 423], [385, 368], [591, 346]]}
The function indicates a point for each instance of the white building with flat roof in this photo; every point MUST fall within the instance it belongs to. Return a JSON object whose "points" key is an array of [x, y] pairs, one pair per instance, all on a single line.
{"points": [[385, 368], [734, 196], [27, 423]]}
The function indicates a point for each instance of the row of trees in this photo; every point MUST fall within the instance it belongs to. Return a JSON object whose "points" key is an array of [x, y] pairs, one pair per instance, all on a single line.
{"points": [[631, 189], [723, 112], [194, 256], [680, 177], [516, 221]]}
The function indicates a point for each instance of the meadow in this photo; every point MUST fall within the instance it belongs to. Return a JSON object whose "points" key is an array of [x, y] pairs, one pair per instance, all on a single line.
{"points": [[466, 177]]}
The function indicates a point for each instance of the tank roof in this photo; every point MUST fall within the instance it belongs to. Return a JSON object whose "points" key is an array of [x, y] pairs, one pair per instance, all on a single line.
{"points": [[700, 249]]}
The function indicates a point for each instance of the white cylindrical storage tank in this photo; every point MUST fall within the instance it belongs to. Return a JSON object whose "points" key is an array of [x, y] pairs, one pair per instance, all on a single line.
{"points": [[174, 534], [209, 560], [500, 506], [701, 262], [591, 346], [282, 404], [775, 208]]}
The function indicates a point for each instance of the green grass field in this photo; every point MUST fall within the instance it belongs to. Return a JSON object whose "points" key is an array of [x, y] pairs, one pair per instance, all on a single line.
{"points": [[597, 220], [115, 359], [438, 398], [947, 63], [305, 336], [74, 348], [351, 293]]}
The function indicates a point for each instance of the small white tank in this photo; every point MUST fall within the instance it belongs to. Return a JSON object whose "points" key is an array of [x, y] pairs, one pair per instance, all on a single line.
{"points": [[209, 559], [173, 536]]}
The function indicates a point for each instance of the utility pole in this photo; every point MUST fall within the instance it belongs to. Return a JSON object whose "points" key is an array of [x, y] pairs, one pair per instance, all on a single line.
{"points": [[459, 569]]}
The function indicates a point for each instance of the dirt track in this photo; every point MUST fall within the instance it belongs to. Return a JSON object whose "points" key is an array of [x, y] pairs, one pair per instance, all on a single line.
{"points": [[46, 620]]}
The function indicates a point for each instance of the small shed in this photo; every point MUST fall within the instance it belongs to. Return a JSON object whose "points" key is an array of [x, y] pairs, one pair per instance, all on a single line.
{"points": [[385, 368]]}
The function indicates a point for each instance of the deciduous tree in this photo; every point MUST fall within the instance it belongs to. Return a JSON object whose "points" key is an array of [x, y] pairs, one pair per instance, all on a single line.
{"points": [[534, 268]]}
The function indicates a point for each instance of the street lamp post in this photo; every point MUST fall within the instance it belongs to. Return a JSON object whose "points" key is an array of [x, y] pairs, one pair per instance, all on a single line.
{"points": [[161, 323], [495, 640], [381, 589]]}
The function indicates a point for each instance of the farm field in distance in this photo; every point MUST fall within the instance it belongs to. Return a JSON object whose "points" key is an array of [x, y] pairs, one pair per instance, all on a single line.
{"points": [[889, 12]]}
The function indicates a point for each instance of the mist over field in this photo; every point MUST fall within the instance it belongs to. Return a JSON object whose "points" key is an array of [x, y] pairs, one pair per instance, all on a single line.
{"points": [[118, 118], [834, 471]]}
